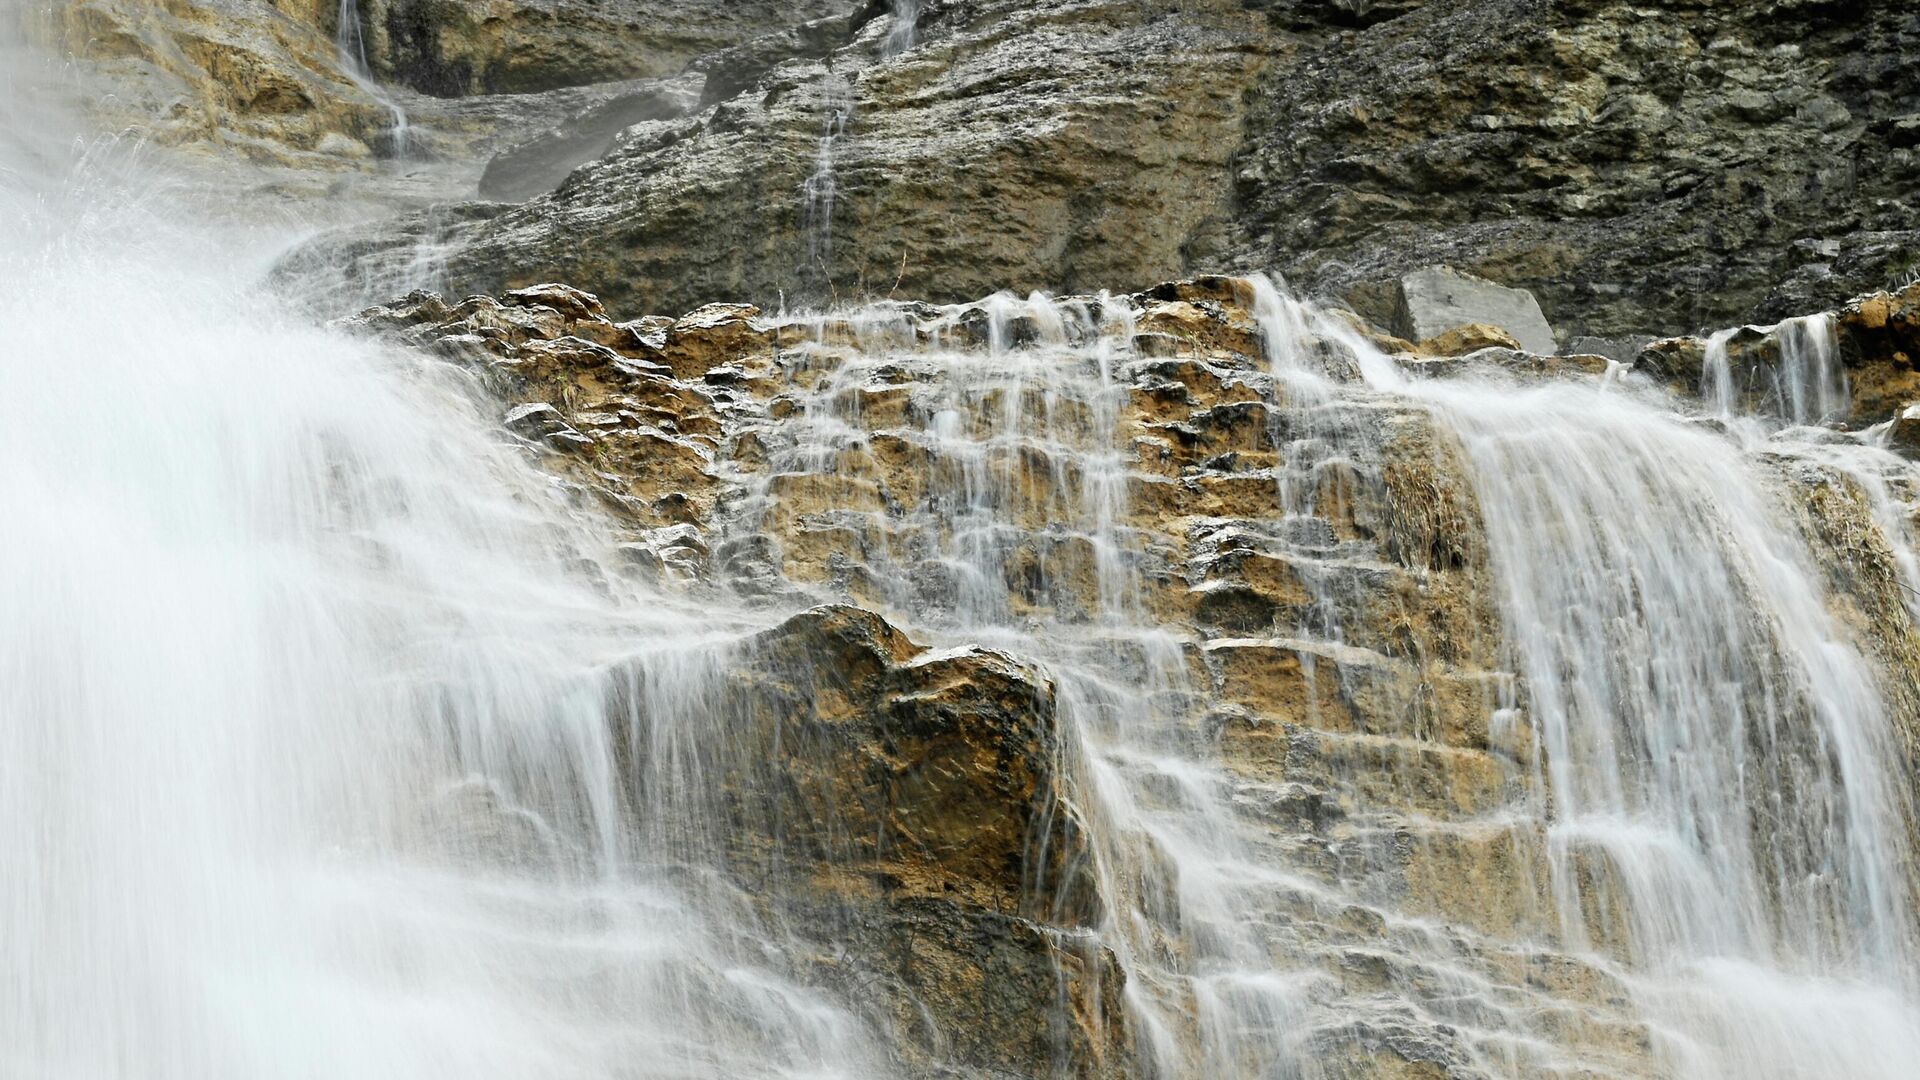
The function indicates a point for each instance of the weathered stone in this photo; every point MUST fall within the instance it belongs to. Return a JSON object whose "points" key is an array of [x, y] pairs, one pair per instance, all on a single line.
{"points": [[1879, 340], [1440, 299], [520, 46], [1903, 434], [1472, 337], [1114, 121], [913, 798]]}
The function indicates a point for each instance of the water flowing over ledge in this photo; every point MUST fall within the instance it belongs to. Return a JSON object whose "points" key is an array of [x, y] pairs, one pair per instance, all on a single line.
{"points": [[1190, 682]]}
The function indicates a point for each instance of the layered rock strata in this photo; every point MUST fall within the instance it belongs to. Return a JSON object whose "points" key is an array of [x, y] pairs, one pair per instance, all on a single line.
{"points": [[1638, 169], [1188, 615]]}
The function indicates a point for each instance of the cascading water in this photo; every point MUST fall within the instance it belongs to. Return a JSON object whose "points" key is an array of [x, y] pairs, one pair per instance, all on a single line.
{"points": [[822, 187], [1723, 817], [1804, 385], [306, 767], [1715, 767], [350, 39], [821, 190], [1023, 545], [337, 743], [905, 29]]}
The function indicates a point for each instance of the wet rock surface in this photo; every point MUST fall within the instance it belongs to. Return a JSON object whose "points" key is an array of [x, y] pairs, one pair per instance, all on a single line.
{"points": [[1639, 170], [1113, 122], [1304, 579]]}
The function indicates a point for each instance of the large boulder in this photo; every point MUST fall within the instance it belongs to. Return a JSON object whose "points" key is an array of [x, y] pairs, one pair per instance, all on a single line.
{"points": [[905, 809], [1432, 301]]}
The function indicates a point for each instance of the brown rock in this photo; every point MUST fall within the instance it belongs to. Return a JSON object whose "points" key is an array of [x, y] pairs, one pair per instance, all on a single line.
{"points": [[1461, 340]]}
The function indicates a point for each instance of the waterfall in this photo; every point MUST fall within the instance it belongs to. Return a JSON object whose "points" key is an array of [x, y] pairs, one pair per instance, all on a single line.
{"points": [[306, 767], [1026, 486], [1804, 384], [349, 38], [341, 736], [1715, 769], [822, 187], [902, 34]]}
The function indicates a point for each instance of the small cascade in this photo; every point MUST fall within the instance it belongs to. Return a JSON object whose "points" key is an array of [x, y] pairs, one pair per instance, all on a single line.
{"points": [[822, 186], [349, 38], [1004, 413], [1789, 371], [1714, 770], [905, 29]]}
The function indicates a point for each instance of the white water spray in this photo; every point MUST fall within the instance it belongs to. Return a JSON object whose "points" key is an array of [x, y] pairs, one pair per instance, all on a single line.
{"points": [[1802, 383], [306, 768]]}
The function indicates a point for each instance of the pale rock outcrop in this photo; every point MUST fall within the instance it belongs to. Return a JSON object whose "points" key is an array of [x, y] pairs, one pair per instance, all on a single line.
{"points": [[1435, 300]]}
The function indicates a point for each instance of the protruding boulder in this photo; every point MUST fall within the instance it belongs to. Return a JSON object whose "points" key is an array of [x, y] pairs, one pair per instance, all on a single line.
{"points": [[1903, 435], [1879, 339], [1438, 299], [916, 796]]}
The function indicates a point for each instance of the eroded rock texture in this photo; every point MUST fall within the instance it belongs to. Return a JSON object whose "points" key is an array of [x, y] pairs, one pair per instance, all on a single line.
{"points": [[1151, 580], [1642, 169], [448, 48]]}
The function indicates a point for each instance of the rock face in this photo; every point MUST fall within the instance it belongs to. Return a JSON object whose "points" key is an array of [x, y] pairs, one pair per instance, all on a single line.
{"points": [[1018, 145], [449, 48], [1639, 170], [263, 79], [908, 807], [1432, 301], [1222, 601]]}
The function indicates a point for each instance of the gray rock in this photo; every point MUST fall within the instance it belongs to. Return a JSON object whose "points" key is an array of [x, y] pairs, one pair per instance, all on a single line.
{"points": [[450, 48], [1436, 299], [1624, 350], [1639, 169], [541, 422], [1018, 145], [539, 164]]}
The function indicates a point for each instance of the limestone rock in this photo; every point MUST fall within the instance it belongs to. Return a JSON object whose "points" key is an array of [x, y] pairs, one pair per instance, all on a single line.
{"points": [[1879, 340], [904, 793], [238, 73], [448, 48], [1639, 170], [1439, 299], [1903, 434], [1019, 146]]}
